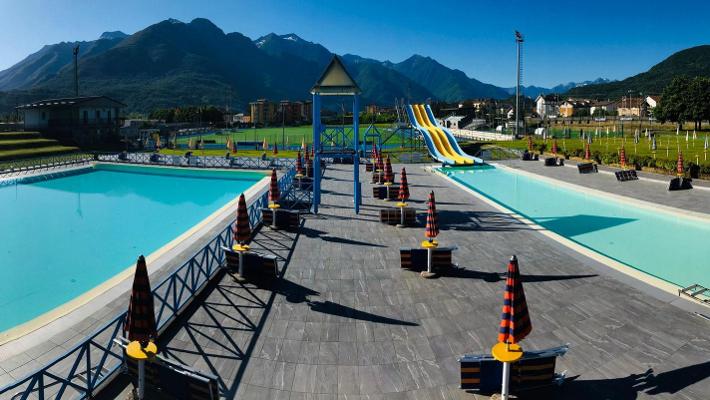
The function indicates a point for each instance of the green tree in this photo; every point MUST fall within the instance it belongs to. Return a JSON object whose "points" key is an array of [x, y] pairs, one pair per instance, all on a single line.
{"points": [[699, 100], [675, 105]]}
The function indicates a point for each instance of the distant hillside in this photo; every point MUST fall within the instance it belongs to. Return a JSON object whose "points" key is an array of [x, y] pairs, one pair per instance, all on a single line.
{"points": [[692, 62], [534, 91], [445, 83], [49, 60]]}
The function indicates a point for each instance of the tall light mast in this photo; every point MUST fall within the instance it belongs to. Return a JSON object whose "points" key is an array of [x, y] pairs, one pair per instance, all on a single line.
{"points": [[519, 73]]}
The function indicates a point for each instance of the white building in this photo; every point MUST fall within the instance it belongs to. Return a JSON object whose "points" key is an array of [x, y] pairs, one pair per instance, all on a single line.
{"points": [[547, 106]]}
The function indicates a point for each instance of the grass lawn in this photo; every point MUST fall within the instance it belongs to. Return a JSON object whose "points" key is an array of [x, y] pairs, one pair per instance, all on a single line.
{"points": [[293, 135], [606, 150], [35, 152]]}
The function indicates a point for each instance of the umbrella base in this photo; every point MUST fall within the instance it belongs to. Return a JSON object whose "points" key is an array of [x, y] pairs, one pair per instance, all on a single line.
{"points": [[428, 275], [238, 278]]}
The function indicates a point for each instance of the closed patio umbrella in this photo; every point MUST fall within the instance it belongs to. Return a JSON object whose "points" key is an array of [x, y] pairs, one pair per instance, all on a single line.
{"points": [[514, 324], [276, 149], [530, 144], [140, 327], [622, 158], [679, 165], [587, 154], [274, 194], [653, 143], [274, 197], [432, 231], [554, 146], [264, 145], [242, 229], [403, 186], [299, 165], [389, 176]]}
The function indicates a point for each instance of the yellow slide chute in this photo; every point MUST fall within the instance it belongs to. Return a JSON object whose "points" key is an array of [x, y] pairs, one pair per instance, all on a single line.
{"points": [[439, 138]]}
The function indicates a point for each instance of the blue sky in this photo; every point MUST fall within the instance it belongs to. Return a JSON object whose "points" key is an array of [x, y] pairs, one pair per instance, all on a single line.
{"points": [[565, 40]]}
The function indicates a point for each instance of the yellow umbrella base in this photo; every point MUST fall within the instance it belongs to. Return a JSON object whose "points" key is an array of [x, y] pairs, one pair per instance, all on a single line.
{"points": [[137, 352], [505, 352]]}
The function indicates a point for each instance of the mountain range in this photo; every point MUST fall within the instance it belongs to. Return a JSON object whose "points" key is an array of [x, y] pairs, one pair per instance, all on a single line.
{"points": [[694, 61], [173, 63]]}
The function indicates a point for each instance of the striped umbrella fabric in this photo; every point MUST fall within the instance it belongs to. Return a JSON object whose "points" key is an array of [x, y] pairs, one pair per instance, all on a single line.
{"points": [[587, 154], [554, 146], [242, 229], [140, 321], [530, 143], [622, 157], [380, 162], [274, 194], [389, 176], [515, 322], [432, 218], [373, 154], [403, 186], [299, 164], [276, 149], [303, 145], [679, 164]]}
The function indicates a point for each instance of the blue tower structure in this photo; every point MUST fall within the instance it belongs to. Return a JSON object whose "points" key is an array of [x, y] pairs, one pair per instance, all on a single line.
{"points": [[339, 142]]}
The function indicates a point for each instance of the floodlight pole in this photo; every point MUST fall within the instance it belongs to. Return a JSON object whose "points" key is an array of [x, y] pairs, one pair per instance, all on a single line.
{"points": [[76, 71], [519, 78]]}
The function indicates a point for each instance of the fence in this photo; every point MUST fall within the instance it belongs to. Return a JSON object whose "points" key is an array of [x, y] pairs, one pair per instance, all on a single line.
{"points": [[29, 165], [198, 161], [84, 369]]}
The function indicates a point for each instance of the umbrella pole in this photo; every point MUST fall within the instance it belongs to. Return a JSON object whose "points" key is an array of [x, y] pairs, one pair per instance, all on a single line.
{"points": [[506, 379], [141, 379], [428, 260], [241, 264]]}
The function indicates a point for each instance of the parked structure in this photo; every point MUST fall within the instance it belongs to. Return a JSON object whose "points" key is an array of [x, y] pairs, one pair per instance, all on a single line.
{"points": [[636, 106], [603, 108], [85, 120], [571, 107]]}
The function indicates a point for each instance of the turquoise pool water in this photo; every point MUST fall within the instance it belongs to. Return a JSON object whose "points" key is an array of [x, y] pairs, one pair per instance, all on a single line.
{"points": [[62, 237], [665, 245]]}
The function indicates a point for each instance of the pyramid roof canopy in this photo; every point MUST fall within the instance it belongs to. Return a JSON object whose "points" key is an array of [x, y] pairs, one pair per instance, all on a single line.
{"points": [[336, 81]]}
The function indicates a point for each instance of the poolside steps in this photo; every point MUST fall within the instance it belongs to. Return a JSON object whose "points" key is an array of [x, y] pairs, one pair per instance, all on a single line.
{"points": [[22, 145], [696, 292]]}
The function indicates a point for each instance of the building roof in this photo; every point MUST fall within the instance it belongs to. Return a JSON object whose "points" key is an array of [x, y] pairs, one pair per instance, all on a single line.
{"points": [[67, 101], [336, 81]]}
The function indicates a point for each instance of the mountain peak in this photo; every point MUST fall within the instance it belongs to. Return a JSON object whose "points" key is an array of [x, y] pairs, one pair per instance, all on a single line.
{"points": [[113, 35]]}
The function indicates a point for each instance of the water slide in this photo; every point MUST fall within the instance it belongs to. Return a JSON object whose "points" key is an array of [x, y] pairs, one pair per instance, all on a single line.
{"points": [[438, 141], [450, 136]]}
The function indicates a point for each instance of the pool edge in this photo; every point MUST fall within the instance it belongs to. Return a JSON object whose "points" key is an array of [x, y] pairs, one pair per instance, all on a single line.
{"points": [[651, 280]]}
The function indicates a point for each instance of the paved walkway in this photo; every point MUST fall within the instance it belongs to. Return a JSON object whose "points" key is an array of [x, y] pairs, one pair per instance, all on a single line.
{"points": [[346, 322]]}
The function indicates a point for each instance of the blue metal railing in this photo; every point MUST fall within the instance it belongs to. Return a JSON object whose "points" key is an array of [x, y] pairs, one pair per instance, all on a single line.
{"points": [[89, 365]]}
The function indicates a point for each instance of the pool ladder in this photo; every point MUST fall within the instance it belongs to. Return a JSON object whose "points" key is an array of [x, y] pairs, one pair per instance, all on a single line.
{"points": [[696, 292]]}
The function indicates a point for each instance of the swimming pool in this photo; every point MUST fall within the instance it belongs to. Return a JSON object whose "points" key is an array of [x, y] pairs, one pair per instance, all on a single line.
{"points": [[63, 236], [666, 245]]}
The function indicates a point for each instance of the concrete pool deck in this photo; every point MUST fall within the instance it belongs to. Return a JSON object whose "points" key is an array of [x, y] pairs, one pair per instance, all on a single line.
{"points": [[347, 323]]}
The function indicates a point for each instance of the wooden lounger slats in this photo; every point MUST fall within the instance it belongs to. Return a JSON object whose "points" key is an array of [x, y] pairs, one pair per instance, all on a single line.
{"points": [[368, 167], [680, 184], [587, 168], [285, 219], [482, 373], [554, 162], [393, 216], [255, 263], [380, 192], [175, 380], [626, 175], [416, 259]]}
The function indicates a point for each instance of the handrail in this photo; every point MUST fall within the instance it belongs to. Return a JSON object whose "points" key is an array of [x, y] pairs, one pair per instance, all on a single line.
{"points": [[88, 371], [24, 166], [198, 161]]}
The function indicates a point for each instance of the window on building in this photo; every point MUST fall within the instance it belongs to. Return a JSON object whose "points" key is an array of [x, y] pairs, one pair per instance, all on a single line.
{"points": [[44, 115], [86, 117], [108, 116], [98, 115]]}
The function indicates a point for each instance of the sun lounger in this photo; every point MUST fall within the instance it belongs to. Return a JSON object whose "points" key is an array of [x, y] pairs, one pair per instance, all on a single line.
{"points": [[680, 184], [528, 156], [393, 216], [369, 167], [154, 158], [380, 192], [172, 379], [626, 175], [304, 183], [554, 162], [285, 219], [587, 168], [535, 369], [416, 259], [123, 156], [255, 263]]}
